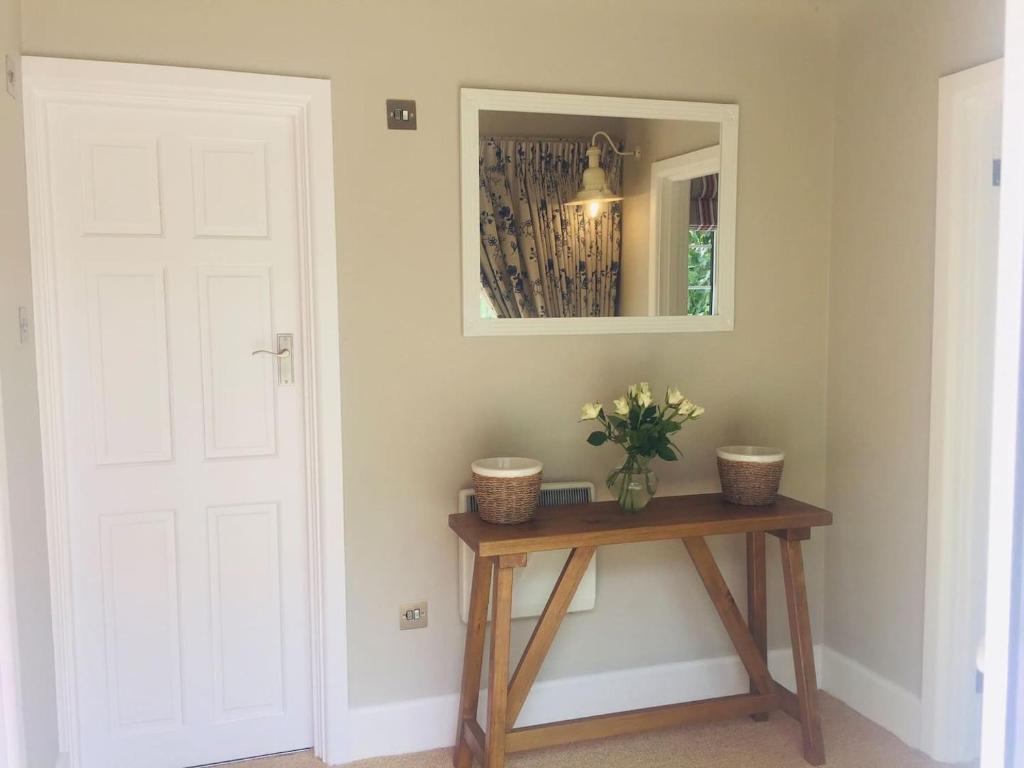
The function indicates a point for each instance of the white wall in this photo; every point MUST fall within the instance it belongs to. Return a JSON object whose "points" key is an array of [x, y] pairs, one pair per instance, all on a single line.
{"points": [[17, 368], [421, 401]]}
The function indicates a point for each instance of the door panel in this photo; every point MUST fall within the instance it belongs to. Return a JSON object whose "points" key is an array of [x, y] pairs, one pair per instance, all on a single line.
{"points": [[140, 607], [245, 597], [238, 402], [128, 362], [230, 187], [120, 184], [176, 247]]}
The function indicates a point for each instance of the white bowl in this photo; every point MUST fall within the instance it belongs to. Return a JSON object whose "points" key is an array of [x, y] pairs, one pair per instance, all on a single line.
{"points": [[506, 466], [754, 454]]}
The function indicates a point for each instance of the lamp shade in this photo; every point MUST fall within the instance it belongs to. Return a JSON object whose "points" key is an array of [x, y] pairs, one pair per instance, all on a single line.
{"points": [[595, 189]]}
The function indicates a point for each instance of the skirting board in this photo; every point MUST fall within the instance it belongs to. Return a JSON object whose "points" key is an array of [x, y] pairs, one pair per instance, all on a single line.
{"points": [[894, 708], [429, 723]]}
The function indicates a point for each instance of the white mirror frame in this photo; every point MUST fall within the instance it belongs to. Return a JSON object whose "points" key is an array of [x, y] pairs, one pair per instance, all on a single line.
{"points": [[475, 100]]}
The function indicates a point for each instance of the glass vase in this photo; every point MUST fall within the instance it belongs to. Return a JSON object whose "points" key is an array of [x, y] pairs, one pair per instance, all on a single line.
{"points": [[633, 483]]}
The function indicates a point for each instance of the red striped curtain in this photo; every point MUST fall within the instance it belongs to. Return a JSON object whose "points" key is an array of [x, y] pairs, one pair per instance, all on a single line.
{"points": [[704, 203]]}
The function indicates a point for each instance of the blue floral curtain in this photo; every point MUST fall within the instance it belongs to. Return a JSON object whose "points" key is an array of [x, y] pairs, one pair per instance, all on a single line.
{"points": [[537, 257]]}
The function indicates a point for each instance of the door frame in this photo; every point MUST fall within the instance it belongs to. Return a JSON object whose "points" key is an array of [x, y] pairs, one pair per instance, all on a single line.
{"points": [[688, 166], [12, 726], [953, 437], [307, 103], [1001, 744]]}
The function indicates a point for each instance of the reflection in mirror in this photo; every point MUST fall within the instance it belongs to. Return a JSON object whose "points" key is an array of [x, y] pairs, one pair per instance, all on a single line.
{"points": [[596, 216], [684, 233]]}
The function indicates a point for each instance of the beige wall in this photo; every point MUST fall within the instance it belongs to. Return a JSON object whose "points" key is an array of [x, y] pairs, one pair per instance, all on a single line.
{"points": [[17, 371], [890, 56], [421, 401]]}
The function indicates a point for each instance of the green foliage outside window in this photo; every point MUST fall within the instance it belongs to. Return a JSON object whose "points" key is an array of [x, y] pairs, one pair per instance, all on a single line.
{"points": [[486, 307], [701, 269]]}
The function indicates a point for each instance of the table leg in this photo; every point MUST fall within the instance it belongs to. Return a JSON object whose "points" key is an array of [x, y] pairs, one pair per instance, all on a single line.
{"points": [[497, 689], [757, 601], [803, 651], [730, 614], [473, 658]]}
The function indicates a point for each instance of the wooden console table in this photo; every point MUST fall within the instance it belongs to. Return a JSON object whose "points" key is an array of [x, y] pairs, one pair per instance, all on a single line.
{"points": [[582, 528]]}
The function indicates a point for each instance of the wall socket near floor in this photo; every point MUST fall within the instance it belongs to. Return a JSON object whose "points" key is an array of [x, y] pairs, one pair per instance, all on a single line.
{"points": [[412, 615]]}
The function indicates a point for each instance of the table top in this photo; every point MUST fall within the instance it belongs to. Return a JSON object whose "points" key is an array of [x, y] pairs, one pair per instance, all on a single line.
{"points": [[603, 522]]}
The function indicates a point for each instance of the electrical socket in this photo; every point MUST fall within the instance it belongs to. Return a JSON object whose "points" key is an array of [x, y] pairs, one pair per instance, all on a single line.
{"points": [[412, 615]]}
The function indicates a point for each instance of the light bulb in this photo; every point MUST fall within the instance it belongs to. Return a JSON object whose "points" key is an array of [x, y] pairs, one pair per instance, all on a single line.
{"points": [[593, 210]]}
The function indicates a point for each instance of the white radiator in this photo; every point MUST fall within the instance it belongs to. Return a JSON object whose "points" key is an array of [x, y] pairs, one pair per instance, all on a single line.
{"points": [[532, 585]]}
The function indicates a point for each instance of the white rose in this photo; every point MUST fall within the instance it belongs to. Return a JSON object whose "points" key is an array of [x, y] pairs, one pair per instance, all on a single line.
{"points": [[697, 412], [644, 398], [685, 406], [645, 388], [674, 396], [590, 411], [621, 406], [634, 390]]}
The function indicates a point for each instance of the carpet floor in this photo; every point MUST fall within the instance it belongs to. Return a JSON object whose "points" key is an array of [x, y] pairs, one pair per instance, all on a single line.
{"points": [[851, 741]]}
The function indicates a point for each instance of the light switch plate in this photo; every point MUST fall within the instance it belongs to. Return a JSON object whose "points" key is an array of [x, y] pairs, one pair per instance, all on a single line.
{"points": [[402, 114], [412, 615], [12, 74]]}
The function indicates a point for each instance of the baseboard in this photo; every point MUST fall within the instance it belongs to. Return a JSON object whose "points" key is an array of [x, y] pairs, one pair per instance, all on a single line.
{"points": [[429, 723], [877, 698]]}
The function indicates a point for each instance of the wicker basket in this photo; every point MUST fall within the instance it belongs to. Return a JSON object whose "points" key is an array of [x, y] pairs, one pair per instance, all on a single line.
{"points": [[507, 489], [750, 474]]}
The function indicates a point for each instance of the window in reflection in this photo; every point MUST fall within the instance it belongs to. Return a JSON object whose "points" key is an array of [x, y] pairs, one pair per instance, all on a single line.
{"points": [[700, 284]]}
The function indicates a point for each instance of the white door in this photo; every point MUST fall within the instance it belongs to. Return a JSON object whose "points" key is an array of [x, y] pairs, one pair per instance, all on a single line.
{"points": [[176, 241]]}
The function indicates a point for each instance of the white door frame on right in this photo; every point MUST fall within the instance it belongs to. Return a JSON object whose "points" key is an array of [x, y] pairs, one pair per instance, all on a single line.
{"points": [[12, 740], [959, 439]]}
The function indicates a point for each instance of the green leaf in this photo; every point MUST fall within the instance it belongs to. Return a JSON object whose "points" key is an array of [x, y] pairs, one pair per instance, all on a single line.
{"points": [[666, 453], [597, 438]]}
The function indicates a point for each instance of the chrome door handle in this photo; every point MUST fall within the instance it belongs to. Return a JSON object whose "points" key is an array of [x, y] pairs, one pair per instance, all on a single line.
{"points": [[285, 366], [282, 353]]}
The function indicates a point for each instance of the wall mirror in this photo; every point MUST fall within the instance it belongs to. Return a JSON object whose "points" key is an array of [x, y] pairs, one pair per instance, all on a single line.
{"points": [[591, 214]]}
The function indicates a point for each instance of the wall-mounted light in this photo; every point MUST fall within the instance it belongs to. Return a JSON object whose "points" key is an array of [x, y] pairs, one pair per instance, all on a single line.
{"points": [[595, 192]]}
